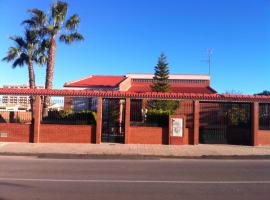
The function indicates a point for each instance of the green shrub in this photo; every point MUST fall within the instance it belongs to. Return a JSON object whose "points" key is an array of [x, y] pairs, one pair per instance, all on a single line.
{"points": [[159, 112], [158, 117], [70, 117], [165, 105]]}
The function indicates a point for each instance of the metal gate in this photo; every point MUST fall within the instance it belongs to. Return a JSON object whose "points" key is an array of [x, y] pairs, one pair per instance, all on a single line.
{"points": [[225, 123], [113, 120]]}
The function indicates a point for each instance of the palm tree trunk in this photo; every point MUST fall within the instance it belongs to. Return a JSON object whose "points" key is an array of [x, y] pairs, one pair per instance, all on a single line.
{"points": [[31, 74], [31, 84], [49, 74]]}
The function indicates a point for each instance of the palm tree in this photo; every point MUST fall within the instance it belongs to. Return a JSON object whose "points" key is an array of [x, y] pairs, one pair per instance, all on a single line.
{"points": [[26, 51], [52, 27]]}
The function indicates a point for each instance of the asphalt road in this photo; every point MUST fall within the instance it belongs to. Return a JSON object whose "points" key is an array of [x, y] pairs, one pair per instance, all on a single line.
{"points": [[34, 178]]}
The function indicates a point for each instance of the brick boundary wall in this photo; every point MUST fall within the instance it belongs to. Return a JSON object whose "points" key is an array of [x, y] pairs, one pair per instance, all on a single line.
{"points": [[180, 140], [56, 133], [13, 132], [143, 135], [263, 137], [148, 135]]}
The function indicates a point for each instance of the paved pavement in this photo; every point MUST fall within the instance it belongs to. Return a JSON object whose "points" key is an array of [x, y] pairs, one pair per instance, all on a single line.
{"points": [[24, 178], [183, 151]]}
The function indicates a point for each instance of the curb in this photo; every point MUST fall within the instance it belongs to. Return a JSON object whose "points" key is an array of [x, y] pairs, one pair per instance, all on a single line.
{"points": [[134, 156]]}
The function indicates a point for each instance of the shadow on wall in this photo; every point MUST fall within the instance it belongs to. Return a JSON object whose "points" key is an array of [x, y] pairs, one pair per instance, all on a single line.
{"points": [[93, 134], [2, 120], [165, 135]]}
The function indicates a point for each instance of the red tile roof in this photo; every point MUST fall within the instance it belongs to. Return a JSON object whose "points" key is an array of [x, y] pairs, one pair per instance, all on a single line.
{"points": [[177, 88], [97, 81]]}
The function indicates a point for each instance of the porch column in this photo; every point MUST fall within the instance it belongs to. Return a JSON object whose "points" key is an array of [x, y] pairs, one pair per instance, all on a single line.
{"points": [[35, 136], [255, 123], [196, 110], [127, 121], [99, 120]]}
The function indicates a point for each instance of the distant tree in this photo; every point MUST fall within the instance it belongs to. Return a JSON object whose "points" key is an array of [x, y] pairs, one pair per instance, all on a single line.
{"points": [[161, 75], [265, 92]]}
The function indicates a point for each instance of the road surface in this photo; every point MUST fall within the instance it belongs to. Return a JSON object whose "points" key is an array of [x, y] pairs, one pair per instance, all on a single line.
{"points": [[75, 179]]}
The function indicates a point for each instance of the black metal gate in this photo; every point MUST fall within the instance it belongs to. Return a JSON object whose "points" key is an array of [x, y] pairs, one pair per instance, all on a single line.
{"points": [[113, 120], [225, 123]]}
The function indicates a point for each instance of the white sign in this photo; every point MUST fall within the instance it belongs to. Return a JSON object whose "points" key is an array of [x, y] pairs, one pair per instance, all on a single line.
{"points": [[177, 126], [3, 135]]}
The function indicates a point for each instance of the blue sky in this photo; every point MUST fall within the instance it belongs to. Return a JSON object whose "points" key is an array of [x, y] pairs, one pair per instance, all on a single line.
{"points": [[123, 36]]}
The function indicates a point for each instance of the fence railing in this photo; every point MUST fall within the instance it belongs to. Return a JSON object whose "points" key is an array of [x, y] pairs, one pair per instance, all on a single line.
{"points": [[150, 112], [264, 116], [70, 110]]}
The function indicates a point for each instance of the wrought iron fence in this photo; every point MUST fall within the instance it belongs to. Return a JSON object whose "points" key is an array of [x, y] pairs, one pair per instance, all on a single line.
{"points": [[145, 112], [226, 123], [264, 116], [70, 110]]}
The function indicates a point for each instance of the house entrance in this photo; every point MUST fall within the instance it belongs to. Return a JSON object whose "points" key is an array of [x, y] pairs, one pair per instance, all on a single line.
{"points": [[113, 120]]}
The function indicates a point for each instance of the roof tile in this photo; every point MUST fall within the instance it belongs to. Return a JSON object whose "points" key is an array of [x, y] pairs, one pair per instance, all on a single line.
{"points": [[97, 81]]}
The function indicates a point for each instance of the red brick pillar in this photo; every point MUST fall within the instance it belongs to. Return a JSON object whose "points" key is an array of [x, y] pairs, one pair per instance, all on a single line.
{"points": [[255, 123], [67, 102], [36, 122], [99, 121], [127, 121], [196, 110]]}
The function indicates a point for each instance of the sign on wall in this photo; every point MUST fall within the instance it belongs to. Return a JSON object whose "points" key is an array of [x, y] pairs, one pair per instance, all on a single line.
{"points": [[177, 127], [3, 135]]}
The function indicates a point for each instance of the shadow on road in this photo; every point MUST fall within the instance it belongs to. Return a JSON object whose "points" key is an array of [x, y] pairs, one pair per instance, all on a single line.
{"points": [[2, 184]]}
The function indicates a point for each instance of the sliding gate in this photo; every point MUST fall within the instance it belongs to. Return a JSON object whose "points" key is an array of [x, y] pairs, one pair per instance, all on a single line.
{"points": [[225, 123], [113, 120]]}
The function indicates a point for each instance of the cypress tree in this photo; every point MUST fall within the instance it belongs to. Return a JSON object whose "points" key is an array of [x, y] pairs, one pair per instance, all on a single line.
{"points": [[161, 76], [161, 84]]}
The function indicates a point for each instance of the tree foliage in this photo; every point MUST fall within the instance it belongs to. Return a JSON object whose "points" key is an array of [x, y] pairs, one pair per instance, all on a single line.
{"points": [[26, 50], [51, 26], [161, 76], [161, 84], [265, 92]]}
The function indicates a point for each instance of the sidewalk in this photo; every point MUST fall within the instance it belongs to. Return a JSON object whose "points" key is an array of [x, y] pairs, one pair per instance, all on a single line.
{"points": [[133, 150]]}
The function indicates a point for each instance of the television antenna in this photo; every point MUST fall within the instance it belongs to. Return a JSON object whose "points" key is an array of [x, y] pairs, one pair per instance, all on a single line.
{"points": [[209, 60]]}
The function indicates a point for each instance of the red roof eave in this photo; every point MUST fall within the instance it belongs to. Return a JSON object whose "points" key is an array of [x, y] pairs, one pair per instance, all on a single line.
{"points": [[121, 94]]}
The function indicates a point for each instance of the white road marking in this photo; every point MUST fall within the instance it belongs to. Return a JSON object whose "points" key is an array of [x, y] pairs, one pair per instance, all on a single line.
{"points": [[133, 181]]}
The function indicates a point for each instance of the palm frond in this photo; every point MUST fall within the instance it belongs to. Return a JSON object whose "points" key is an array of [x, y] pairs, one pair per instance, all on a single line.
{"points": [[20, 42], [41, 51], [59, 12], [31, 36], [38, 16], [42, 59], [45, 44], [21, 60], [69, 38], [29, 23], [73, 22], [18, 62], [12, 53]]}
